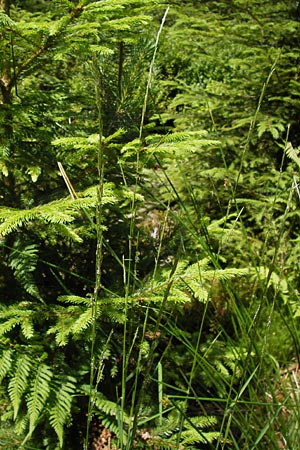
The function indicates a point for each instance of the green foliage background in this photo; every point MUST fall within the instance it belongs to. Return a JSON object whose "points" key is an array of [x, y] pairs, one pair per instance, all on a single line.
{"points": [[149, 282]]}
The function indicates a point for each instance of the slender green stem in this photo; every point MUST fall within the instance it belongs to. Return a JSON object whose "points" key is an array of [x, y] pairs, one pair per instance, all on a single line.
{"points": [[99, 249]]}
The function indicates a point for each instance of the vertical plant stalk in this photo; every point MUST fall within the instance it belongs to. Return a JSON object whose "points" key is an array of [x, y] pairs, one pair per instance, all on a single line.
{"points": [[192, 372], [137, 392], [6, 99], [151, 356], [151, 71], [253, 123], [99, 250], [120, 68], [128, 270], [160, 393]]}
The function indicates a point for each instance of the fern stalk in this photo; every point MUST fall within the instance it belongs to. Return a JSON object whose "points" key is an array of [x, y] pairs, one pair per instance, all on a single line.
{"points": [[99, 249], [160, 392], [135, 404]]}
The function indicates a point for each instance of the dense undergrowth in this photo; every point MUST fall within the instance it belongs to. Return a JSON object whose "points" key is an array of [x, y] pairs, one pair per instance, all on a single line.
{"points": [[149, 225]]}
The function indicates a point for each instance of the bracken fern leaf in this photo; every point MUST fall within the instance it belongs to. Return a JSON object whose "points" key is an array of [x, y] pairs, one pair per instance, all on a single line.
{"points": [[60, 411], [38, 394], [23, 261], [5, 363], [19, 382], [21, 314], [292, 153]]}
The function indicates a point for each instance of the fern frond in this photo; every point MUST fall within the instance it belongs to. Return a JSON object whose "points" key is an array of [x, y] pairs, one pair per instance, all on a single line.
{"points": [[203, 421], [109, 412], [116, 135], [198, 281], [21, 424], [71, 320], [77, 142], [23, 261], [173, 138], [64, 231], [106, 406], [38, 394], [161, 444], [109, 195], [21, 314], [60, 214], [65, 321], [60, 412], [180, 143], [5, 363], [19, 382], [292, 153], [192, 436], [221, 369], [13, 219], [27, 328], [9, 325], [192, 280], [74, 299], [6, 21], [84, 320], [226, 274], [114, 308]]}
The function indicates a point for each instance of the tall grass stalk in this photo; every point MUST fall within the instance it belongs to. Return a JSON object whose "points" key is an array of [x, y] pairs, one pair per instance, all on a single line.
{"points": [[253, 122], [128, 269], [99, 250]]}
